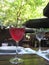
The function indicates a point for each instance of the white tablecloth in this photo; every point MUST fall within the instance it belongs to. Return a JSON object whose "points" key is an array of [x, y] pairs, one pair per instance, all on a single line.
{"points": [[13, 49]]}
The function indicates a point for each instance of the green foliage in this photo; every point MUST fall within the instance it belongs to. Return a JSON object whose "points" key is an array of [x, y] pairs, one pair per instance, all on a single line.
{"points": [[16, 12]]}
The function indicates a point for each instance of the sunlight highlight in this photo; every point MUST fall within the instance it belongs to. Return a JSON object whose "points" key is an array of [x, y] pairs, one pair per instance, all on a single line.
{"points": [[10, 1]]}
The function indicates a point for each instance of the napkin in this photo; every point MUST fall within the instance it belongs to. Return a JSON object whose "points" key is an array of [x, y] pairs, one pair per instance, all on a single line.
{"points": [[43, 55]]}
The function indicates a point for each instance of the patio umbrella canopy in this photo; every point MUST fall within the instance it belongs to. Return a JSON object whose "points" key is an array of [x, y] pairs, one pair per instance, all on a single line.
{"points": [[37, 23], [46, 10]]}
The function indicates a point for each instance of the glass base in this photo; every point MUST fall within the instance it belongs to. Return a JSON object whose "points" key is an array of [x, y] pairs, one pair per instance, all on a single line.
{"points": [[16, 60]]}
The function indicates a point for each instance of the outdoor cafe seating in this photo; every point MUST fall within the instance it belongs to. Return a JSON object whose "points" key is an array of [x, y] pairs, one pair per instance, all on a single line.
{"points": [[30, 55]]}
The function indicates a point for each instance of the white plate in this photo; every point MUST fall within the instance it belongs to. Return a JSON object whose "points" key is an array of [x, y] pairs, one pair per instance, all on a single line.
{"points": [[8, 48]]}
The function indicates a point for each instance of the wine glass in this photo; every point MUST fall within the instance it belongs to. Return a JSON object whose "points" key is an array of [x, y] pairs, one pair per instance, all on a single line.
{"points": [[17, 35], [39, 36]]}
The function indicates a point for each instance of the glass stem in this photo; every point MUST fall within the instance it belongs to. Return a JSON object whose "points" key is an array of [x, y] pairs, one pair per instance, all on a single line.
{"points": [[17, 48], [39, 45], [17, 43]]}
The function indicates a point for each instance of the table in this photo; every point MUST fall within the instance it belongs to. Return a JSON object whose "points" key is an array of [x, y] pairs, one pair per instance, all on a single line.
{"points": [[29, 59]]}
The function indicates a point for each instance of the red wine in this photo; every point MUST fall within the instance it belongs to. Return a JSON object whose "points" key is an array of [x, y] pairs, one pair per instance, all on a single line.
{"points": [[17, 33]]}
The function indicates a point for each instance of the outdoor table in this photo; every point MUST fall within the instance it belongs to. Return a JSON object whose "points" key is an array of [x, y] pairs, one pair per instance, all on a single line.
{"points": [[30, 56], [29, 59]]}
